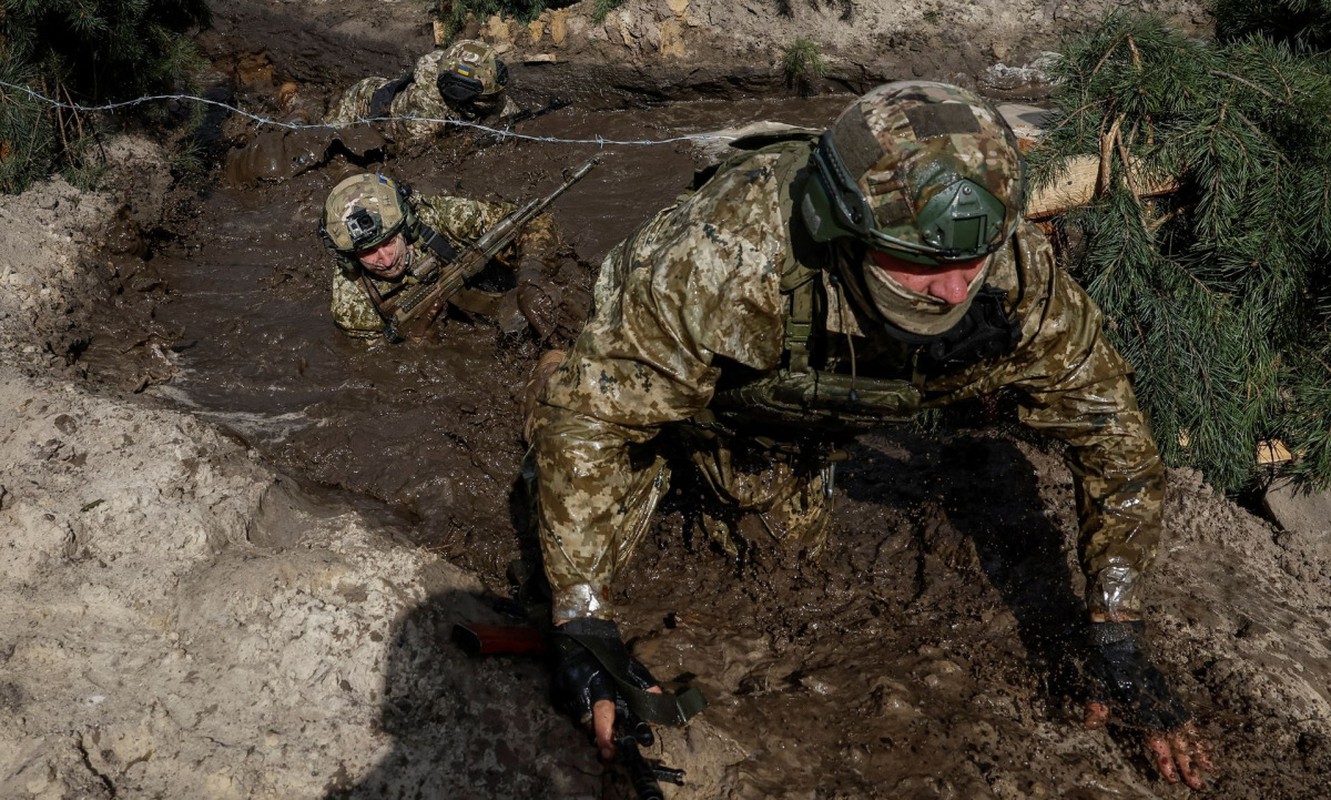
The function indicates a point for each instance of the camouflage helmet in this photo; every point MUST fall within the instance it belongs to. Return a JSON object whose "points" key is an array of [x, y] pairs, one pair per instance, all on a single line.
{"points": [[927, 172], [471, 72], [363, 211]]}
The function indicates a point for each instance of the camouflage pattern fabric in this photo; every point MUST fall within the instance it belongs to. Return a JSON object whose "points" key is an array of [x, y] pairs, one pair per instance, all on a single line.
{"points": [[460, 221], [934, 134], [419, 99], [697, 291]]}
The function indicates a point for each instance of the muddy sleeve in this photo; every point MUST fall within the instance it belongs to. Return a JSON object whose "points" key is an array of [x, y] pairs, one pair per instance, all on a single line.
{"points": [[354, 104], [353, 313], [535, 247], [668, 303], [1079, 389]]}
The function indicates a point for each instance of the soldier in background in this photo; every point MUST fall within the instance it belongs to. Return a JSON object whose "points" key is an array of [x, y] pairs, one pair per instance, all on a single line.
{"points": [[817, 288], [465, 82], [382, 233]]}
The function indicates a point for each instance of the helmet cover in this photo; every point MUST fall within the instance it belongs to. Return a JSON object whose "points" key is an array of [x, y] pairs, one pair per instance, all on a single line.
{"points": [[362, 212], [928, 172], [471, 72]]}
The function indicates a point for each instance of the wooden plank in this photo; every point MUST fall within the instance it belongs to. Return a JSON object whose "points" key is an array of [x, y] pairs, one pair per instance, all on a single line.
{"points": [[1077, 184]]}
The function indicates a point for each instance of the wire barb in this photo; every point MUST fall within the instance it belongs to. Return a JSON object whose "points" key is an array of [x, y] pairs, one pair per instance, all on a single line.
{"points": [[598, 140]]}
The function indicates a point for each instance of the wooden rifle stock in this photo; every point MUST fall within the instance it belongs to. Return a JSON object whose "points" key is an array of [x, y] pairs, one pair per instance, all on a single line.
{"points": [[500, 640]]}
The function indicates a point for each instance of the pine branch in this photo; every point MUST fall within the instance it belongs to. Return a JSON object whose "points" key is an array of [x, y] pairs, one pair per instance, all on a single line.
{"points": [[1213, 290]]}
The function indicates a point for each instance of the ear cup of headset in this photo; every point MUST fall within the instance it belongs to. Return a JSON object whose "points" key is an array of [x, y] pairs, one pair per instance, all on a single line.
{"points": [[457, 89], [409, 223]]}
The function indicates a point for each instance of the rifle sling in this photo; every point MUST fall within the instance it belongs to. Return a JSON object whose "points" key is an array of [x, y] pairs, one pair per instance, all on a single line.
{"points": [[447, 253], [665, 708], [472, 301]]}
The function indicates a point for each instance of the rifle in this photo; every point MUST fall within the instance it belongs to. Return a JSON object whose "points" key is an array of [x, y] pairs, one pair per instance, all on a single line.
{"points": [[415, 308], [630, 732]]}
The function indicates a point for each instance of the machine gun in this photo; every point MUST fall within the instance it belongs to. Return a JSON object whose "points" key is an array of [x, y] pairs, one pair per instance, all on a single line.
{"points": [[630, 732], [415, 308]]}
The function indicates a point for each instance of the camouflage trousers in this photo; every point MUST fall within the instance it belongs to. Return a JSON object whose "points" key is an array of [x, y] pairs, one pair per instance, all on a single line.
{"points": [[787, 496]]}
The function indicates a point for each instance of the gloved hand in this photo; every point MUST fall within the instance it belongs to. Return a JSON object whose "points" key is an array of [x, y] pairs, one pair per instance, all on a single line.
{"points": [[1140, 694], [1135, 688], [583, 687], [538, 298]]}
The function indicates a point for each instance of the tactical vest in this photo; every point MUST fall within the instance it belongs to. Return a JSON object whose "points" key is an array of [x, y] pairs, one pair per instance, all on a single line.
{"points": [[800, 399], [805, 399]]}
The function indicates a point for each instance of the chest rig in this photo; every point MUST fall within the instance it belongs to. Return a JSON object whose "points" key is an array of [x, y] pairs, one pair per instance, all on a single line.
{"points": [[805, 395], [803, 399], [817, 395]]}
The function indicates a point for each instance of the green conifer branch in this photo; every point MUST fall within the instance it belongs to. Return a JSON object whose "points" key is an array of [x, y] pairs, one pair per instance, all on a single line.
{"points": [[85, 51], [1216, 291]]}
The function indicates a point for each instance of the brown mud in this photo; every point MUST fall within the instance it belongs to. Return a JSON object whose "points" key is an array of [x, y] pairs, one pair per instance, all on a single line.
{"points": [[925, 653]]}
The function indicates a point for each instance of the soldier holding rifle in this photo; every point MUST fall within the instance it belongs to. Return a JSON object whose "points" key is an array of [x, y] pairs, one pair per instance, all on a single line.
{"points": [[403, 257]]}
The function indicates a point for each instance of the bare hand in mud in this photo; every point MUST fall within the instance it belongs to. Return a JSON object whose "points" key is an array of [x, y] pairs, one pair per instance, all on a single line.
{"points": [[1181, 754], [603, 725]]}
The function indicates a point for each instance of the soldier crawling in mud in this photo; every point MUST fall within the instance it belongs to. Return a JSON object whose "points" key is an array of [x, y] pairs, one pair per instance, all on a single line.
{"points": [[465, 82], [810, 290], [384, 237]]}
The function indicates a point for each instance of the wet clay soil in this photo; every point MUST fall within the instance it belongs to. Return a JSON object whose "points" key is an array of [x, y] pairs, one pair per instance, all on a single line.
{"points": [[923, 655], [432, 427]]}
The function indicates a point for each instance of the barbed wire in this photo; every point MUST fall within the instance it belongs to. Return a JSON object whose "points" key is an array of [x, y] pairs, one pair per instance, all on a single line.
{"points": [[600, 141]]}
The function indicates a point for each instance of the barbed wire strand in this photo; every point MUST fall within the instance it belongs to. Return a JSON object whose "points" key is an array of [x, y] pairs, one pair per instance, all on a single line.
{"points": [[599, 141]]}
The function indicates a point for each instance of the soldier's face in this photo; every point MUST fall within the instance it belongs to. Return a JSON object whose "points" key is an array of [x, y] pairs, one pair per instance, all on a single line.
{"points": [[386, 260], [950, 283]]}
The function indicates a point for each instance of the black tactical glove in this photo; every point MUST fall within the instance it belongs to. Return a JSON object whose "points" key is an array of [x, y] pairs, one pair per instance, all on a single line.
{"points": [[580, 678], [1133, 688]]}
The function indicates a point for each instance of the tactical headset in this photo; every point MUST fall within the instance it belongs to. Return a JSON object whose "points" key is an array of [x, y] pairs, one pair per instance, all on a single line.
{"points": [[962, 222], [459, 87]]}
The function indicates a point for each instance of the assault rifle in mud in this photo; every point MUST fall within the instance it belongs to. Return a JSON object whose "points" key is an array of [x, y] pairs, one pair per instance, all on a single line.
{"points": [[630, 732], [415, 308]]}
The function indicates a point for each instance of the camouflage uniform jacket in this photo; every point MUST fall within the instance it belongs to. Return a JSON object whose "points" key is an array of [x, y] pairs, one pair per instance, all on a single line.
{"points": [[696, 292], [420, 98], [459, 221]]}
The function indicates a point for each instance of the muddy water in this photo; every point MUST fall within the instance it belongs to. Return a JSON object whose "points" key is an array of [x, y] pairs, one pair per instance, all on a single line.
{"points": [[428, 428], [922, 656]]}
